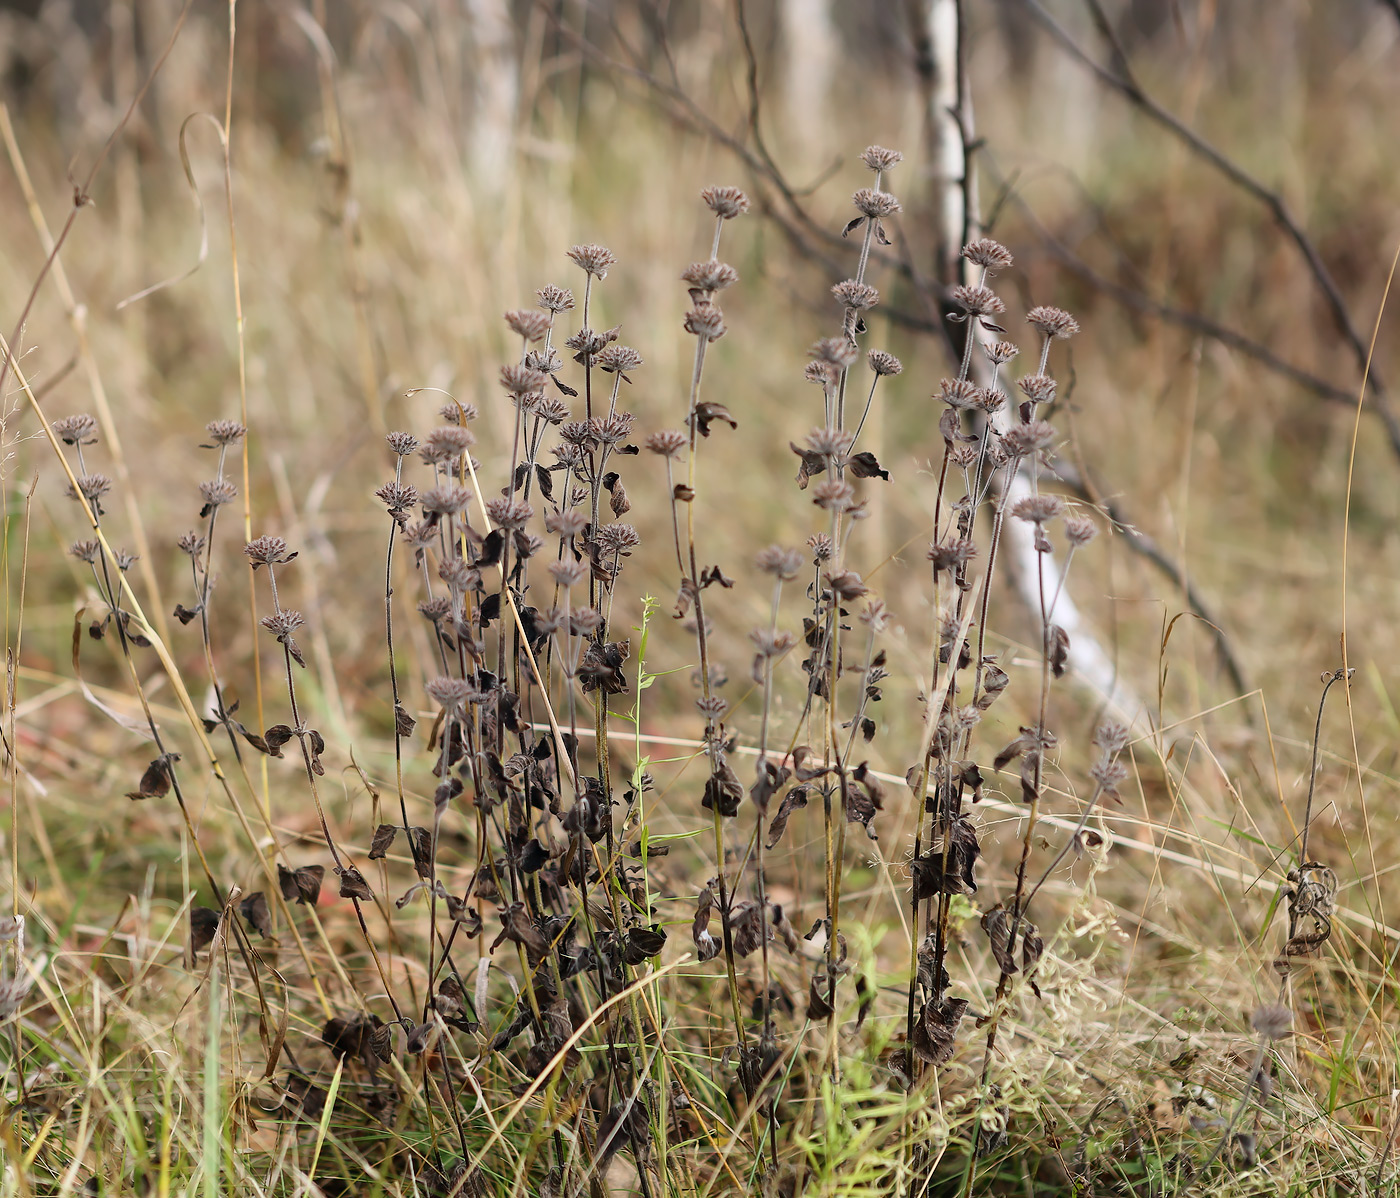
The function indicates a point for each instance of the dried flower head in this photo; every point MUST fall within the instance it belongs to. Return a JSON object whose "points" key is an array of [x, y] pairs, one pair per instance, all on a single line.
{"points": [[1053, 322], [91, 487], [529, 323], [1037, 509], [521, 380], [784, 564], [836, 351], [585, 621], [578, 432], [846, 585], [458, 575], [830, 442], [833, 494], [952, 554], [126, 560], [225, 432], [725, 202], [712, 708], [450, 499], [771, 642], [511, 514], [1111, 736], [80, 429], [822, 373], [1038, 388], [1022, 439], [883, 362], [402, 444], [217, 491], [1272, 1021], [86, 551], [858, 296], [568, 522], [618, 359], [191, 543], [999, 352], [1108, 775], [977, 301], [445, 446], [546, 361], [710, 276], [957, 393], [820, 545], [420, 534], [877, 158], [267, 551], [568, 572], [617, 538], [876, 615], [990, 255], [459, 411], [593, 259], [990, 399], [613, 430], [451, 694], [705, 321], [668, 442], [435, 610], [552, 410], [875, 204], [555, 299], [283, 623], [398, 497], [1080, 530]]}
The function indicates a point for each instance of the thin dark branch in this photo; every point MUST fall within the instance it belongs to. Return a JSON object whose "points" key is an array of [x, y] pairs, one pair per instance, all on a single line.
{"points": [[1122, 81], [1083, 486]]}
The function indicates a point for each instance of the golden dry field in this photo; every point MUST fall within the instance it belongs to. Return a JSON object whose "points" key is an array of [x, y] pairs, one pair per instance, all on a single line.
{"points": [[563, 640]]}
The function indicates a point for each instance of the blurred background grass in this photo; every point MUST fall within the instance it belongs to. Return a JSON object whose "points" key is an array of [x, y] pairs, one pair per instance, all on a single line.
{"points": [[404, 172]]}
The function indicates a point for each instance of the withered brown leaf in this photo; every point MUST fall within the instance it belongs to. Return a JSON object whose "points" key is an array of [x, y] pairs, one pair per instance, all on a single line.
{"points": [[256, 914], [155, 782], [301, 885]]}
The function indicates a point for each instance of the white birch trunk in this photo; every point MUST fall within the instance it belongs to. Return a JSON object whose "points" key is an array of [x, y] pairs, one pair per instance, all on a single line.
{"points": [[810, 48], [1089, 663], [496, 94]]}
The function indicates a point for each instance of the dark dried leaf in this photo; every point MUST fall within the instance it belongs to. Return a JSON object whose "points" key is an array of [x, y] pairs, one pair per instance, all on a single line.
{"points": [[601, 667], [155, 782], [936, 1029], [768, 780], [277, 736], [865, 465], [723, 790], [382, 841], [315, 746], [707, 413], [403, 722], [706, 946], [301, 885], [351, 1036], [812, 464], [186, 614], [997, 925], [256, 914], [204, 922], [353, 884], [517, 927], [795, 798], [533, 856], [643, 944], [1058, 650]]}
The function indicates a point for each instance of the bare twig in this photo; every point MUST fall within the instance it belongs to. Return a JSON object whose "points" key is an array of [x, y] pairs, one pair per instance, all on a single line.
{"points": [[1123, 81]]}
